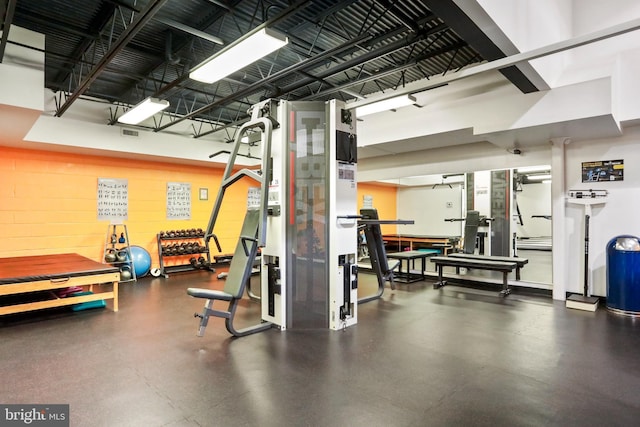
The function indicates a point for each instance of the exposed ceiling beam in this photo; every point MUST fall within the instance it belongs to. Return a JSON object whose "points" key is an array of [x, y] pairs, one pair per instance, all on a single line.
{"points": [[313, 61], [141, 20], [189, 30], [7, 16], [366, 57], [386, 72]]}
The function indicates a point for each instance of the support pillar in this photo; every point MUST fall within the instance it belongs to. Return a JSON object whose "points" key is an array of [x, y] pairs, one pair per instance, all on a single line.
{"points": [[558, 212]]}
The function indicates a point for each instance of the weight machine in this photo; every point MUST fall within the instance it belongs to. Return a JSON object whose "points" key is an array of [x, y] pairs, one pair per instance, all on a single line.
{"points": [[306, 219]]}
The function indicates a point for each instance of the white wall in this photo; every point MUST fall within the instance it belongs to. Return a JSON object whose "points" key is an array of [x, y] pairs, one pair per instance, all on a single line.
{"points": [[534, 199], [429, 207], [470, 158], [23, 69], [531, 24], [620, 214]]}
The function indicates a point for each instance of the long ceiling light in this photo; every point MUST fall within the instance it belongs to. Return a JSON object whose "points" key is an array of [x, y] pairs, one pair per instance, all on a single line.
{"points": [[239, 55], [387, 104], [143, 111], [542, 177]]}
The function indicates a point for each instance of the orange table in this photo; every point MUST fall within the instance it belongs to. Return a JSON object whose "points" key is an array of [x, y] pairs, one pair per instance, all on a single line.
{"points": [[412, 241]]}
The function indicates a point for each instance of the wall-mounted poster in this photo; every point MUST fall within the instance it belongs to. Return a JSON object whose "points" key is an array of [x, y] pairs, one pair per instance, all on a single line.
{"points": [[253, 197], [178, 200], [603, 170], [113, 199]]}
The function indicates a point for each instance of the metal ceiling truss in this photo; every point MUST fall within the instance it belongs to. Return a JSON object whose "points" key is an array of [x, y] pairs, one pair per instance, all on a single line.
{"points": [[239, 93], [121, 53], [111, 46], [6, 13], [363, 42]]}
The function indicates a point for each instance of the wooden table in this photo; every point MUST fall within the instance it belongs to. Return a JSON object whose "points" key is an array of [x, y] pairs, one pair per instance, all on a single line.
{"points": [[412, 241], [43, 274]]}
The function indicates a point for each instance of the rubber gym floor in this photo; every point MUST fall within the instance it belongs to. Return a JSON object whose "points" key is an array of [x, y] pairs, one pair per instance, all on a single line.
{"points": [[457, 356]]}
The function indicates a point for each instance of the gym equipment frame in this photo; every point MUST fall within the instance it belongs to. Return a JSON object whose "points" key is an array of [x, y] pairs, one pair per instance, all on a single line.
{"points": [[253, 234]]}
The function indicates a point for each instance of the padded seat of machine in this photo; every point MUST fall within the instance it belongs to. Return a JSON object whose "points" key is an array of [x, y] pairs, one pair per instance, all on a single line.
{"points": [[209, 294]]}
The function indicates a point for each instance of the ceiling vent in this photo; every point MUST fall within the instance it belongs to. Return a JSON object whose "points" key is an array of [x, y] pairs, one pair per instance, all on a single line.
{"points": [[129, 132]]}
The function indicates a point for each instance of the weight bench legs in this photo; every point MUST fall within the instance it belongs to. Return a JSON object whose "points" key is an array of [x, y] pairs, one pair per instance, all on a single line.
{"points": [[228, 320], [506, 290], [440, 283]]}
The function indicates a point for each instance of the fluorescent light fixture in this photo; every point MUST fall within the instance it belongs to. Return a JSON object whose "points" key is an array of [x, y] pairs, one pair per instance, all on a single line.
{"points": [[387, 104], [538, 177], [143, 111], [531, 169], [239, 55]]}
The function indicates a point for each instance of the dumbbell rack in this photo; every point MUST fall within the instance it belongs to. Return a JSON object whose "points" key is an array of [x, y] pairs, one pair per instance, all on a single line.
{"points": [[182, 245]]}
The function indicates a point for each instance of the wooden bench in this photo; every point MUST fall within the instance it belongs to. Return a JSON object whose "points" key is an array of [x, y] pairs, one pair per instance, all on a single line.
{"points": [[504, 267], [40, 276], [520, 262]]}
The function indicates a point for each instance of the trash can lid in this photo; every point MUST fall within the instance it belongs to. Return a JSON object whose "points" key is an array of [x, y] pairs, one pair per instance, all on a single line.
{"points": [[627, 243]]}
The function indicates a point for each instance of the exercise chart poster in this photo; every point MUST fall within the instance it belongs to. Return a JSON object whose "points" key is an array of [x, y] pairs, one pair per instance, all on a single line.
{"points": [[603, 170], [178, 200], [113, 199]]}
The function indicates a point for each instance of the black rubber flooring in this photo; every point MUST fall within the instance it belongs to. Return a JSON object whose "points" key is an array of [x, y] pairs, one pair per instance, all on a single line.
{"points": [[417, 357]]}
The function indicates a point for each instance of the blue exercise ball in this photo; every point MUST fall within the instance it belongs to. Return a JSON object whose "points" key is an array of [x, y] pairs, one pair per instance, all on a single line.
{"points": [[141, 260]]}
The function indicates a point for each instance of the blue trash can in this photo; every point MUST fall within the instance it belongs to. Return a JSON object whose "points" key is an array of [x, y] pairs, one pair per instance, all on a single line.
{"points": [[623, 275]]}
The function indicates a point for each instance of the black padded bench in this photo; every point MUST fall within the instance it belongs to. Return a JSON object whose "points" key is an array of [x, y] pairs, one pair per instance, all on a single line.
{"points": [[410, 257], [520, 262], [504, 267]]}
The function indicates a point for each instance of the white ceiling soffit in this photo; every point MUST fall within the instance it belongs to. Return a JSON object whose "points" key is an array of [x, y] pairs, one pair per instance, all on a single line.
{"points": [[426, 142]]}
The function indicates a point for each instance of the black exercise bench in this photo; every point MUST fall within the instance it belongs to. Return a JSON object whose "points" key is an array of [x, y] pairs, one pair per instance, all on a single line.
{"points": [[520, 262], [504, 267]]}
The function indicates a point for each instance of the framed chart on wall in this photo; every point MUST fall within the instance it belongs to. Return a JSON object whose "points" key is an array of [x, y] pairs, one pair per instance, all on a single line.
{"points": [[603, 170]]}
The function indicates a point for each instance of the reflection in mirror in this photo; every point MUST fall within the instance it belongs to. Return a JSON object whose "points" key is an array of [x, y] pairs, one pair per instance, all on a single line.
{"points": [[533, 221], [439, 204]]}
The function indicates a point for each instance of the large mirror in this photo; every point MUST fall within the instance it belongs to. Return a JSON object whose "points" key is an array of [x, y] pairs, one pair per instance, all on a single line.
{"points": [[515, 211], [532, 222]]}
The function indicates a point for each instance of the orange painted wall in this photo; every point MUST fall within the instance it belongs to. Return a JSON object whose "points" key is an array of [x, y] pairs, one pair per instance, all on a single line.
{"points": [[48, 202], [384, 200]]}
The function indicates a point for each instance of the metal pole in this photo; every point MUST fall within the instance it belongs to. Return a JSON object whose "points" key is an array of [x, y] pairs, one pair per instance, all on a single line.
{"points": [[586, 255]]}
